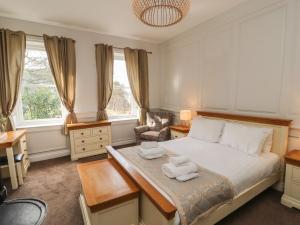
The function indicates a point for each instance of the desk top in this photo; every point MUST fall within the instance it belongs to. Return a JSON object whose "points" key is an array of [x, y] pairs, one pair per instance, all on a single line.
{"points": [[11, 138], [105, 184]]}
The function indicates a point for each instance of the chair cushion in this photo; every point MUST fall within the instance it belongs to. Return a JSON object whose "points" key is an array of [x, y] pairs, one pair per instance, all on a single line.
{"points": [[17, 157], [159, 120], [150, 135]]}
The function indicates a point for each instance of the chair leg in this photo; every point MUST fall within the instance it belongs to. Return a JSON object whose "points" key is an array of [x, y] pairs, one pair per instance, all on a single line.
{"points": [[20, 173]]}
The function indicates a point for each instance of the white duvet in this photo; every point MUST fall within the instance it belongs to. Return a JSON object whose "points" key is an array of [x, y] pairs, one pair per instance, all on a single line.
{"points": [[241, 169]]}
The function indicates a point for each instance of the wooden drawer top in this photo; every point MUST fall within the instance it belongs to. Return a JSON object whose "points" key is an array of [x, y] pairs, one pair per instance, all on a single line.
{"points": [[105, 184], [293, 157], [11, 138], [75, 126], [181, 129]]}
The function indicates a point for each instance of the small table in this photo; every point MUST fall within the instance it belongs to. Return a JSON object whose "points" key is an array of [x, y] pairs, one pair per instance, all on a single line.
{"points": [[179, 131], [291, 196], [7, 143]]}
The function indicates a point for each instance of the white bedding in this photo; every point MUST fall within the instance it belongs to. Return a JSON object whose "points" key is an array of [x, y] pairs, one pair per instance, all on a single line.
{"points": [[241, 169]]}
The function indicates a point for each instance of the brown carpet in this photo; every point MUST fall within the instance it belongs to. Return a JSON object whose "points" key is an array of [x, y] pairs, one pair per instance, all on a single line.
{"points": [[56, 182]]}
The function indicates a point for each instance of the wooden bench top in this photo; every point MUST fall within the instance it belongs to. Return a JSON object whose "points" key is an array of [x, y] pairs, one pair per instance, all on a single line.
{"points": [[105, 184]]}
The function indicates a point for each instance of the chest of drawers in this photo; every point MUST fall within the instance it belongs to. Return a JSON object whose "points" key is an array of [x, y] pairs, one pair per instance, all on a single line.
{"points": [[291, 196], [89, 139]]}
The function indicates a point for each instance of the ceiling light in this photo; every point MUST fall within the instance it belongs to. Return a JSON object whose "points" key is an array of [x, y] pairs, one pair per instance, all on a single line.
{"points": [[160, 13]]}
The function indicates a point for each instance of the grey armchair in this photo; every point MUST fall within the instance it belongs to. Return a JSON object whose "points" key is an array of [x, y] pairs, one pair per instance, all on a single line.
{"points": [[157, 128]]}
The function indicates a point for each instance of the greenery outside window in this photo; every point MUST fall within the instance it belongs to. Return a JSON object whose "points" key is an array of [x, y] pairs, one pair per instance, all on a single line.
{"points": [[122, 104], [39, 103]]}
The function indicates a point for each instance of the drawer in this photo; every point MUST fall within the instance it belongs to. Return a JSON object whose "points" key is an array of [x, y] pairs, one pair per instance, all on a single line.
{"points": [[23, 143], [90, 140], [91, 147], [295, 190], [296, 174], [175, 134], [82, 133], [100, 130]]}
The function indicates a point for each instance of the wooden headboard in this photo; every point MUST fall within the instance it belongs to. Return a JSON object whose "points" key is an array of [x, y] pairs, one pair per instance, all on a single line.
{"points": [[280, 127]]}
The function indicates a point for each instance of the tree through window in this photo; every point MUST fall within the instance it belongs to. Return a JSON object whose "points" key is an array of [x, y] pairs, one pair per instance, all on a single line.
{"points": [[39, 97], [122, 103]]}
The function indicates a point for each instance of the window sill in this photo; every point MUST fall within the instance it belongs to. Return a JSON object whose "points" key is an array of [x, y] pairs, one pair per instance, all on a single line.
{"points": [[37, 126], [123, 120]]}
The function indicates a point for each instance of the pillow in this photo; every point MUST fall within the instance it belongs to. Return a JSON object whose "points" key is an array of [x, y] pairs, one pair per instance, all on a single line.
{"points": [[248, 139], [206, 129], [269, 140]]}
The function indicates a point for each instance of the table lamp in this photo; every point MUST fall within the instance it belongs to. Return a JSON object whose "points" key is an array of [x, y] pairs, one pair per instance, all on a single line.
{"points": [[185, 116]]}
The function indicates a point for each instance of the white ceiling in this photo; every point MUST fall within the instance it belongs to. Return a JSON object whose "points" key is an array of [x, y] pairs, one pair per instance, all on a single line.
{"points": [[113, 17]]}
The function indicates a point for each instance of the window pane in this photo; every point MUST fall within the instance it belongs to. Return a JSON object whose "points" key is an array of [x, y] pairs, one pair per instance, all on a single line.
{"points": [[122, 103], [40, 99]]}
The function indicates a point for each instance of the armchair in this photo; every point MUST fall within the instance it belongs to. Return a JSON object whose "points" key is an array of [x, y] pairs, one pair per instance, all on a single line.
{"points": [[157, 128]]}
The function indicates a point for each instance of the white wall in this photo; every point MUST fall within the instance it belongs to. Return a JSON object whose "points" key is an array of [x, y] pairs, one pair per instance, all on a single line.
{"points": [[46, 142], [245, 61]]}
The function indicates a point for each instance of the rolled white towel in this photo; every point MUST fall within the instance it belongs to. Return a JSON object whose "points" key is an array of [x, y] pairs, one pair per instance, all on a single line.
{"points": [[187, 177], [151, 153], [172, 171], [179, 160], [149, 144]]}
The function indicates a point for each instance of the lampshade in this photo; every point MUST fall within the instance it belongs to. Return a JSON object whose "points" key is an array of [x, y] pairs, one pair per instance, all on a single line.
{"points": [[185, 115]]}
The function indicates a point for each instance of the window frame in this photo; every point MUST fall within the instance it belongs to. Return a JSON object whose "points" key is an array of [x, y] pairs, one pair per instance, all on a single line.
{"points": [[35, 43], [119, 55]]}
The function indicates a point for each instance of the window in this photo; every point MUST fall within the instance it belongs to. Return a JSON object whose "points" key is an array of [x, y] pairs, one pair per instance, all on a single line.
{"points": [[39, 102], [122, 103]]}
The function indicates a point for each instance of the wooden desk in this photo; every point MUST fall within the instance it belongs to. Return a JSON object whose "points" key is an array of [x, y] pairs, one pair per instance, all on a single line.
{"points": [[7, 143]]}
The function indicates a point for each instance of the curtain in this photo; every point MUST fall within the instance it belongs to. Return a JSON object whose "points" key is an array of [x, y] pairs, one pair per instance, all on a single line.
{"points": [[62, 60], [137, 71], [12, 54], [104, 64]]}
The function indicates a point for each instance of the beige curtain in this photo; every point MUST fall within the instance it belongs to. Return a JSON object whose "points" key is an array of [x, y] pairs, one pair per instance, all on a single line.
{"points": [[137, 70], [12, 54], [62, 60], [104, 64]]}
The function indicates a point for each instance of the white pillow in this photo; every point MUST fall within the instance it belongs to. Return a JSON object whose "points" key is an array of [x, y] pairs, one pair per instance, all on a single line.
{"points": [[248, 139], [206, 129], [269, 140]]}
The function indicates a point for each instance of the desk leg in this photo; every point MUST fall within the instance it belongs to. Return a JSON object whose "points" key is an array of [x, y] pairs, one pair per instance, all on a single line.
{"points": [[12, 168]]}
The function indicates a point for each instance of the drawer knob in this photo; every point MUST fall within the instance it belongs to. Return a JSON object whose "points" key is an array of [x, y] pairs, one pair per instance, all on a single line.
{"points": [[82, 141], [100, 131], [83, 149], [101, 146], [100, 138], [176, 136], [81, 133], [24, 141]]}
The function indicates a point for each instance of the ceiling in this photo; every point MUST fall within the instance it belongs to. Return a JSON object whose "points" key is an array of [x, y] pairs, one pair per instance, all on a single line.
{"points": [[113, 17]]}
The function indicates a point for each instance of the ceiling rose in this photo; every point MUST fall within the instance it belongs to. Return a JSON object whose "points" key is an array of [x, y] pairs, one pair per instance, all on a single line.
{"points": [[160, 13]]}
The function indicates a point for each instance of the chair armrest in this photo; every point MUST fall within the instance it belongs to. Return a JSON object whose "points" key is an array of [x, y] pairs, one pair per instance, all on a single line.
{"points": [[141, 129], [164, 134]]}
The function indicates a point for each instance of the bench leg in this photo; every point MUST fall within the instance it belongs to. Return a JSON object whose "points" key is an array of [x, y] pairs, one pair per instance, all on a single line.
{"points": [[20, 173]]}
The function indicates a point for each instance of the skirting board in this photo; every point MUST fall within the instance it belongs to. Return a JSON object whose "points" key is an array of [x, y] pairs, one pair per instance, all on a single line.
{"points": [[41, 156]]}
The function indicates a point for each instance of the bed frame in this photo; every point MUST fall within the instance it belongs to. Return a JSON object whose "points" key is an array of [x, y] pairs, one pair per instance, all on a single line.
{"points": [[155, 209]]}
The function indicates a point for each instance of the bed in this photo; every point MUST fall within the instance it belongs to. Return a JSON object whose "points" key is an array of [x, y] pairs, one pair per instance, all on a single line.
{"points": [[156, 207]]}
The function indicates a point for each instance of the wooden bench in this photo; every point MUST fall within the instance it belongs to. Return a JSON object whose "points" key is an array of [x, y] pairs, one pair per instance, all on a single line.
{"points": [[109, 196]]}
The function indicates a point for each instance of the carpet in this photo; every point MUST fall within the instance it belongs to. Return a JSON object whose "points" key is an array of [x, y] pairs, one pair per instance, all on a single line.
{"points": [[56, 182]]}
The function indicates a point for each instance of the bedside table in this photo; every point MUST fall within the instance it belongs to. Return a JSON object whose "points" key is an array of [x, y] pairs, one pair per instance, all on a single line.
{"points": [[178, 131], [291, 196]]}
